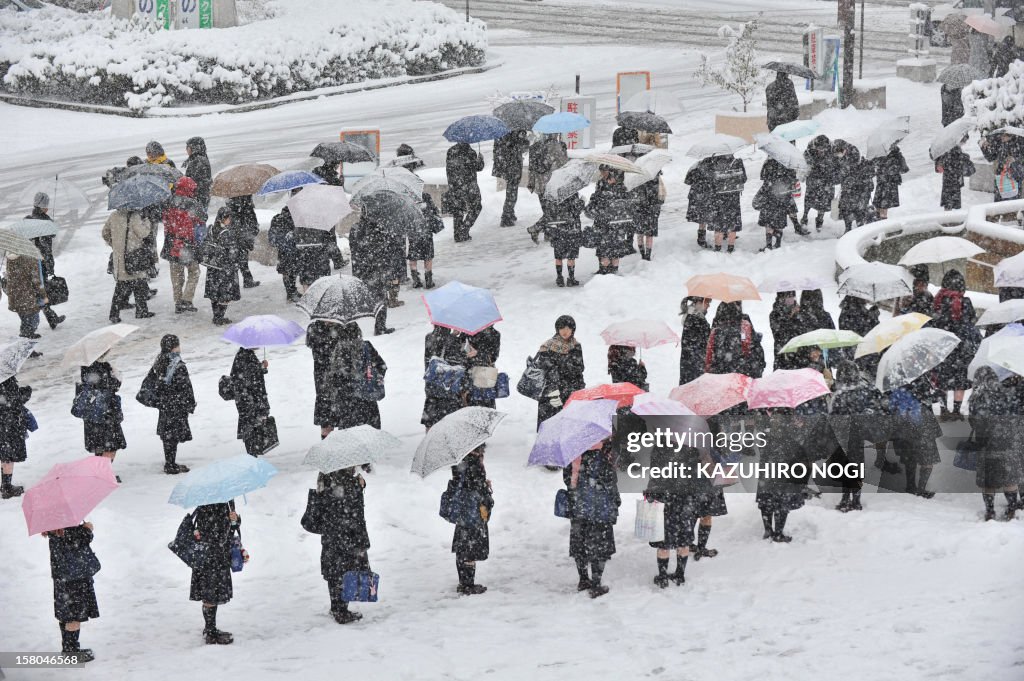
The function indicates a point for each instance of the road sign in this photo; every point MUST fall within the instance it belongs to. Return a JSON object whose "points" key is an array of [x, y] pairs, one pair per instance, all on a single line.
{"points": [[628, 84]]}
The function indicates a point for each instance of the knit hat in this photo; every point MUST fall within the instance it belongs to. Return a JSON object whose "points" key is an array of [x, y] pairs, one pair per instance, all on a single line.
{"points": [[154, 149], [41, 200], [954, 281], [565, 322], [169, 342]]}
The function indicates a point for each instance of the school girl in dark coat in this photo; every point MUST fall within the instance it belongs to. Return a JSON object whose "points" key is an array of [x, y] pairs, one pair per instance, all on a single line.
{"points": [[248, 228], [623, 367], [176, 401], [104, 438], [727, 177], [221, 253], [914, 430], [694, 339], [1005, 153], [314, 248], [954, 312], [561, 358], [215, 527], [856, 315], [471, 542], [858, 412], [995, 419], [561, 225], [821, 181], [337, 515], [700, 200], [774, 201], [954, 165], [857, 180], [921, 300], [72, 567], [481, 351], [812, 307], [250, 390], [889, 172], [733, 345], [13, 433], [592, 542], [281, 236], [777, 496], [443, 343], [648, 202], [680, 513], [612, 211], [321, 336], [787, 323], [341, 404]]}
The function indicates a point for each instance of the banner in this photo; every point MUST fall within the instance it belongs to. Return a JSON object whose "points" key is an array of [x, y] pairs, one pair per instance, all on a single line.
{"points": [[814, 55], [585, 106]]}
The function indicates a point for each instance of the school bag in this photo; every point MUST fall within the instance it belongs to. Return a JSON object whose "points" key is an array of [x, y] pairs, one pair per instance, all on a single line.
{"points": [[461, 505], [1006, 186], [185, 546], [443, 379], [595, 503], [369, 385], [728, 179], [92, 404], [149, 391], [358, 586], [532, 384]]}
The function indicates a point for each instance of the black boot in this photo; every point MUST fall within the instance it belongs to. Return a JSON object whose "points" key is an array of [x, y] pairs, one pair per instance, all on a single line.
{"points": [[416, 282], [730, 248], [171, 467], [778, 238], [69, 644], [1011, 505], [596, 571], [52, 318], [990, 506], [342, 615], [766, 518], [380, 323], [467, 576], [211, 633], [924, 473], [855, 501], [703, 534], [662, 579], [768, 242], [911, 477], [582, 570], [428, 279], [9, 490], [679, 576], [702, 237], [559, 281], [819, 222], [780, 525], [798, 226], [844, 503], [571, 281]]}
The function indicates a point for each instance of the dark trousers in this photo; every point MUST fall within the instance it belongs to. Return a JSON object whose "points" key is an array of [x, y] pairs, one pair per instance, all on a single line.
{"points": [[51, 316], [465, 211], [508, 211], [29, 324], [123, 290], [290, 288], [243, 267]]}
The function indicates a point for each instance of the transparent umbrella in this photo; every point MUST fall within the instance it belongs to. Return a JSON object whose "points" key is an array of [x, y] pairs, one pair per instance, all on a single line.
{"points": [[914, 355]]}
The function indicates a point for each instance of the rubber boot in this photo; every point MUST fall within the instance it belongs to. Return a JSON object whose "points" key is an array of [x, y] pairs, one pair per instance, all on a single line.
{"points": [[766, 519], [596, 571], [416, 281], [662, 580], [990, 506], [679, 576], [428, 279], [780, 525], [583, 570]]}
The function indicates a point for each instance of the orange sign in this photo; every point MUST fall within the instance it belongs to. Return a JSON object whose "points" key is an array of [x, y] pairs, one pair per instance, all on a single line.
{"points": [[628, 84]]}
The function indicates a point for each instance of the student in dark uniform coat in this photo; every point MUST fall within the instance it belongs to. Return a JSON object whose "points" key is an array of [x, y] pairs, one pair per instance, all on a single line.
{"points": [[694, 339], [592, 541], [14, 430], [471, 542], [72, 567], [250, 390], [215, 527]]}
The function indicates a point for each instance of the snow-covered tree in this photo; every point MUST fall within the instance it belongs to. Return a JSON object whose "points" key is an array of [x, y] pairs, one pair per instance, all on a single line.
{"points": [[740, 73], [997, 102]]}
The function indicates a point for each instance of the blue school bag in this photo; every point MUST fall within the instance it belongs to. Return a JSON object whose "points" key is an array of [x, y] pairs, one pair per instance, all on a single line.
{"points": [[443, 379], [359, 586], [595, 503]]}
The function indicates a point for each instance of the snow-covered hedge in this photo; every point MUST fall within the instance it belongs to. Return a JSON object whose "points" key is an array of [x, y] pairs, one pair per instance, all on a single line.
{"points": [[997, 102], [94, 58]]}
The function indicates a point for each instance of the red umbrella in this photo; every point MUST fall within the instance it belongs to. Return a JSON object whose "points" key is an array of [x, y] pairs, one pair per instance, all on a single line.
{"points": [[786, 388], [623, 393], [713, 393]]}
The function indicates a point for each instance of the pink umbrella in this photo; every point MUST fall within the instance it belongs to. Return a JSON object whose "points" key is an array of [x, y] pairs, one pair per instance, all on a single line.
{"points": [[649, 404], [786, 388], [68, 493], [640, 333], [712, 393]]}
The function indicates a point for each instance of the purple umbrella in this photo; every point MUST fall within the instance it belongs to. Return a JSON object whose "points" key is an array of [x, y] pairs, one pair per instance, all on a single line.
{"points": [[572, 431], [261, 330]]}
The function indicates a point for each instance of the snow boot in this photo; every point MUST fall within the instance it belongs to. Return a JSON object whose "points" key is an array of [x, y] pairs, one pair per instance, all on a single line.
{"points": [[571, 281], [416, 282], [990, 506], [766, 519], [1012, 504], [428, 279], [70, 645], [702, 550], [393, 300], [582, 568], [780, 524], [702, 238], [855, 501], [596, 570], [718, 248], [844, 504], [342, 615], [217, 637], [662, 580], [924, 472], [679, 576], [730, 248], [559, 281], [11, 491], [819, 222], [467, 585]]}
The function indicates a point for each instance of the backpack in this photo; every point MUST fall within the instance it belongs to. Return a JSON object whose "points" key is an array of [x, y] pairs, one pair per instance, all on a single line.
{"points": [[91, 404], [1006, 186]]}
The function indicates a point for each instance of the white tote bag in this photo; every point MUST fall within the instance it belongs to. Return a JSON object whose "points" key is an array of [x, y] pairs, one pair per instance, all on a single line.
{"points": [[650, 520]]}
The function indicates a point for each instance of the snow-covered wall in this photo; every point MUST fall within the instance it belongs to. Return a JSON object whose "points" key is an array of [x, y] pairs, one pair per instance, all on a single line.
{"points": [[92, 57]]}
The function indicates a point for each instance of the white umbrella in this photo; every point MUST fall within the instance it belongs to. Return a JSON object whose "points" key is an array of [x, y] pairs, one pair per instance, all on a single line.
{"points": [[881, 139], [651, 163], [913, 356], [940, 249], [319, 206], [950, 136], [875, 281], [794, 282], [64, 195], [1007, 353], [717, 145], [92, 345], [30, 228], [783, 152], [453, 437], [16, 244], [1004, 313], [613, 161], [1010, 271], [991, 345], [569, 179], [350, 447], [13, 356]]}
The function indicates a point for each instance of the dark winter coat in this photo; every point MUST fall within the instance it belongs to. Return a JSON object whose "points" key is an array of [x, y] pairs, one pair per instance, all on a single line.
{"points": [[995, 420], [727, 173], [24, 285], [211, 582], [1000, 153], [13, 420], [105, 436], [339, 404], [774, 200], [858, 414], [462, 164], [700, 200], [547, 155], [562, 363], [952, 373], [787, 443], [561, 224], [281, 236], [612, 210], [445, 344], [221, 253], [922, 302], [1006, 53], [783, 105], [341, 515], [693, 347], [329, 173], [913, 427], [628, 370], [487, 344], [734, 347], [889, 171], [472, 542], [856, 316], [823, 176], [954, 165], [250, 389], [74, 600], [952, 104], [313, 251], [378, 254], [785, 327], [647, 207], [591, 540], [508, 156], [175, 398], [681, 497], [43, 243], [244, 220], [197, 166], [321, 337], [421, 241], [857, 180]]}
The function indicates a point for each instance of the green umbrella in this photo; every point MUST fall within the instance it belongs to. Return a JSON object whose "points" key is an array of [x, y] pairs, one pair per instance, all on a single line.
{"points": [[824, 339]]}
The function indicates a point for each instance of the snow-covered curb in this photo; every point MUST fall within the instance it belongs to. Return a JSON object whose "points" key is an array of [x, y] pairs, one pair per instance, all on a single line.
{"points": [[93, 58]]}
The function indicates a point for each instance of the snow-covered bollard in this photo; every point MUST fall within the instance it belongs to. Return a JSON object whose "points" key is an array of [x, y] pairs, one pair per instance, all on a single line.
{"points": [[916, 69]]}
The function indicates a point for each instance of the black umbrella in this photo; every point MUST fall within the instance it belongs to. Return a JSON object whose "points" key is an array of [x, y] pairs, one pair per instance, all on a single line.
{"points": [[393, 211], [643, 120], [792, 69], [522, 114], [342, 152], [161, 170], [342, 299]]}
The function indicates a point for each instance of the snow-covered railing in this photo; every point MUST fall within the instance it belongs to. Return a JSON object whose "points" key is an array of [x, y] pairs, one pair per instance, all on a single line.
{"points": [[978, 220]]}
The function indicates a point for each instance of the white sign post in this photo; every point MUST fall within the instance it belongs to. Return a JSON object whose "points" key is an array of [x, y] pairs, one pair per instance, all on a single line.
{"points": [[814, 52], [585, 106]]}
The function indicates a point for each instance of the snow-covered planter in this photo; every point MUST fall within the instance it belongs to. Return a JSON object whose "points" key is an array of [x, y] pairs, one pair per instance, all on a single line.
{"points": [[744, 124], [94, 58], [997, 102]]}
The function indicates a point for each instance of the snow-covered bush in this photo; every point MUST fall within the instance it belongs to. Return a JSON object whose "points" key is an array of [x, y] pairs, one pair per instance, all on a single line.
{"points": [[740, 73], [997, 102], [95, 58]]}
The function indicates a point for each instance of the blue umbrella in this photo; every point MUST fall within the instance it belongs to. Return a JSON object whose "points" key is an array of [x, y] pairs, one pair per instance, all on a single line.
{"points": [[572, 431], [261, 330], [564, 121], [463, 308], [138, 192], [476, 129], [288, 180], [222, 481], [794, 130]]}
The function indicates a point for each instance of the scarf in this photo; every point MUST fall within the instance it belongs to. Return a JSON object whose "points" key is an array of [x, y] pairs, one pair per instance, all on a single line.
{"points": [[172, 366], [559, 345], [956, 301], [158, 160]]}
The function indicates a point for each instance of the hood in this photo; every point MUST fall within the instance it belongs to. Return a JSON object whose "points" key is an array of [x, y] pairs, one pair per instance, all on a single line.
{"points": [[186, 186], [197, 145]]}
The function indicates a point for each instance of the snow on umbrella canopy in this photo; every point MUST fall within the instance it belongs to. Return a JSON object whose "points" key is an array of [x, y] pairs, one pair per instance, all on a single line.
{"points": [[1003, 313], [792, 69], [262, 330], [822, 338], [643, 120], [575, 429], [94, 344], [392, 178], [875, 281], [341, 299], [522, 114], [243, 180], [639, 333], [787, 388], [463, 308], [566, 181], [222, 481], [451, 439], [950, 136], [940, 249], [476, 128], [31, 228], [342, 152], [621, 393], [985, 356], [17, 244], [138, 192], [887, 332], [319, 207], [614, 161], [959, 76], [727, 288], [913, 356], [163, 171], [794, 130], [394, 212], [13, 356], [783, 152], [67, 493], [796, 282], [1010, 271], [651, 164], [717, 145], [1007, 353], [350, 447], [881, 139], [562, 122], [711, 394], [288, 180]]}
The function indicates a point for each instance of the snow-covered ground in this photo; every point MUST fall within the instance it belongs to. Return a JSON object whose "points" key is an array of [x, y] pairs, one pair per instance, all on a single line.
{"points": [[908, 589]]}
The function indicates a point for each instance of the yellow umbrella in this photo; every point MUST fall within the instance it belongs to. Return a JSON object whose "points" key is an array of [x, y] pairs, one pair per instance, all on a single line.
{"points": [[888, 332]]}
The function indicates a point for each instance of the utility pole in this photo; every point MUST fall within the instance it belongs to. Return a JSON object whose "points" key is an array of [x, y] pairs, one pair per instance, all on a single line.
{"points": [[847, 12], [467, 10], [860, 66]]}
